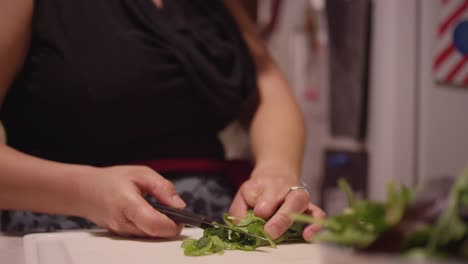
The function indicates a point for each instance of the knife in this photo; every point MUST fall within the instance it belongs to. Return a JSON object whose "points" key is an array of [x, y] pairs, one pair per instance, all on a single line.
{"points": [[196, 220]]}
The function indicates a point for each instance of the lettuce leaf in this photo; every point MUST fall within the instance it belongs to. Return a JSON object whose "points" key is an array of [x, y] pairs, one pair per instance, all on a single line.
{"points": [[218, 239]]}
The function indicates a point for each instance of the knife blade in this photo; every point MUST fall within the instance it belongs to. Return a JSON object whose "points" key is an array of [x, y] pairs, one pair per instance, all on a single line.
{"points": [[196, 220]]}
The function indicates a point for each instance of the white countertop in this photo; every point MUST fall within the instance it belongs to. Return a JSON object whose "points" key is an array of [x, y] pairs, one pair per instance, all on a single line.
{"points": [[11, 249], [85, 247]]}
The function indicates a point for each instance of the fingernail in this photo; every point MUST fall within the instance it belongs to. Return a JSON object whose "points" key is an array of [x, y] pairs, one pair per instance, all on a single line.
{"points": [[274, 231], [178, 202]]}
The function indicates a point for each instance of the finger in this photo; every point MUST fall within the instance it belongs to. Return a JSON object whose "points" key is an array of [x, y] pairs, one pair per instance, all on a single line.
{"points": [[251, 192], [163, 190], [295, 202], [238, 207], [267, 204], [312, 229], [316, 212], [128, 229], [150, 221]]}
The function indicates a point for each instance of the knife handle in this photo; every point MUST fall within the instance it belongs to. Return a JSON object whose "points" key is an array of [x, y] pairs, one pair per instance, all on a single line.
{"points": [[183, 216]]}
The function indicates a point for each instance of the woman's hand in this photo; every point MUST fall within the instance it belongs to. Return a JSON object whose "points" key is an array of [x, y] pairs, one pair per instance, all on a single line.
{"points": [[114, 200], [267, 192]]}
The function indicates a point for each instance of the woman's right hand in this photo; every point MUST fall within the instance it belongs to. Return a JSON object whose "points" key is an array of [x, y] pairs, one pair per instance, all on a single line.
{"points": [[113, 199]]}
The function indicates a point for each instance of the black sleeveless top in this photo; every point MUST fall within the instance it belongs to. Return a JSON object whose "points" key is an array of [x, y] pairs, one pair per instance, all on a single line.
{"points": [[116, 81]]}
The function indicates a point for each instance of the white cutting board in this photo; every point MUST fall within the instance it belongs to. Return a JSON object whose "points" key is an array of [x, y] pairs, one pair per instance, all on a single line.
{"points": [[100, 247]]}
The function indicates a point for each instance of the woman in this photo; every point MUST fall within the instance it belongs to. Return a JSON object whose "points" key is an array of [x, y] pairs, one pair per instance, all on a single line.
{"points": [[98, 97]]}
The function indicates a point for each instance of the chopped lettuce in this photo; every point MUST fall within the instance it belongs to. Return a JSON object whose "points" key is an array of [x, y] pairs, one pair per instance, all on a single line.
{"points": [[218, 239]]}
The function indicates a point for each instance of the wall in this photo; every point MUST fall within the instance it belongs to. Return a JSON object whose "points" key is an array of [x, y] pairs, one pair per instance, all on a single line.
{"points": [[392, 111], [418, 129], [443, 142]]}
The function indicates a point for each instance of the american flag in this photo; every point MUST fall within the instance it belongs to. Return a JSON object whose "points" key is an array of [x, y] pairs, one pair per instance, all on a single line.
{"points": [[451, 58]]}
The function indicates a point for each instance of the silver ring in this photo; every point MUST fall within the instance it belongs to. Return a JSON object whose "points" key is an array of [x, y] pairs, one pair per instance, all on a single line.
{"points": [[297, 187]]}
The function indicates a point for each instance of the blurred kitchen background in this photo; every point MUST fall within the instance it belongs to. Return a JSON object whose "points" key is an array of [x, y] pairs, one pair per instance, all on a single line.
{"points": [[383, 86]]}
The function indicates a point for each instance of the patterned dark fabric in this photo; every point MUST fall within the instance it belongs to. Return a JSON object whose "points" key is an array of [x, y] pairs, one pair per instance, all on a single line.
{"points": [[209, 195]]}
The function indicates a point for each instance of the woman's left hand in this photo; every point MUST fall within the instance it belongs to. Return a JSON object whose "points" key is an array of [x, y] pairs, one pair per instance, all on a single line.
{"points": [[268, 193]]}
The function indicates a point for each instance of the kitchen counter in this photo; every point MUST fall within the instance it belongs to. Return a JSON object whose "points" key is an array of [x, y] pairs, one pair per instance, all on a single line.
{"points": [[87, 247], [11, 249]]}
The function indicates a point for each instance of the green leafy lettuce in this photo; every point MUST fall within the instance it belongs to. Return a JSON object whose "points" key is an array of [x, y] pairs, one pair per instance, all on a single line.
{"points": [[400, 224], [218, 239], [361, 223]]}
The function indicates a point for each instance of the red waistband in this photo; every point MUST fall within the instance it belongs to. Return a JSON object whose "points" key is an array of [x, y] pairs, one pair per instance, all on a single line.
{"points": [[238, 170], [185, 165]]}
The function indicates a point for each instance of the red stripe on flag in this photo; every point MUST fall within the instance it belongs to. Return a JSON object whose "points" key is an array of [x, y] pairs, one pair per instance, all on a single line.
{"points": [[466, 81], [443, 55], [457, 68], [449, 21]]}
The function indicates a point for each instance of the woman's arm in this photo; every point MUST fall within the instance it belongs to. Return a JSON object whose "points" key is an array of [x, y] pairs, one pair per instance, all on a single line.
{"points": [[277, 139], [15, 27], [17, 189], [277, 129], [111, 197], [20, 177]]}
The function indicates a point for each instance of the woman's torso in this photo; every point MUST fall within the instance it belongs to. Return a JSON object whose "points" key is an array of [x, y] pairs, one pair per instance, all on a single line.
{"points": [[116, 81]]}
